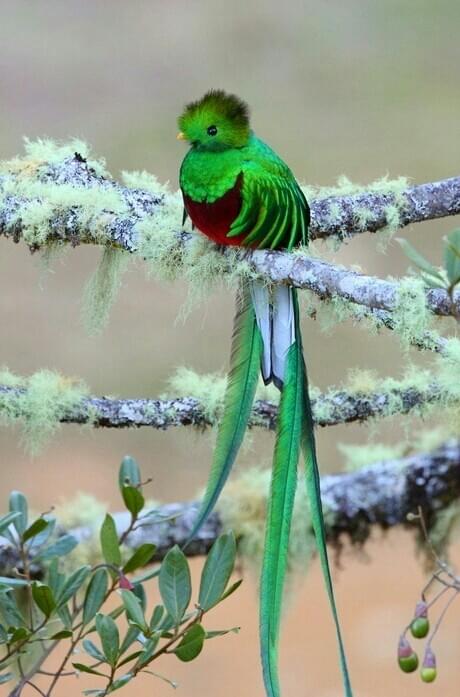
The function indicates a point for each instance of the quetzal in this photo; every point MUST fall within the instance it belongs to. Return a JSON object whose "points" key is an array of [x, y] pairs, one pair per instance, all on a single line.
{"points": [[237, 191]]}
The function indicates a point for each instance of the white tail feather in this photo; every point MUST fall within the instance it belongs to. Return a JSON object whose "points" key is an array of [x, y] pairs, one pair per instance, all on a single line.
{"points": [[261, 300], [283, 331], [275, 319]]}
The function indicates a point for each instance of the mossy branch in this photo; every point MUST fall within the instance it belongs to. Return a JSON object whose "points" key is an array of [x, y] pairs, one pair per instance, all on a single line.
{"points": [[382, 494], [53, 195], [329, 409]]}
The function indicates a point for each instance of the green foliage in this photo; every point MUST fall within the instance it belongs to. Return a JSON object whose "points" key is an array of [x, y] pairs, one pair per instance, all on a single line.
{"points": [[67, 607], [447, 277]]}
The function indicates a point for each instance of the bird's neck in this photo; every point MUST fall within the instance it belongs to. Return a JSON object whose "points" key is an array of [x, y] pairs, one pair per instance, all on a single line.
{"points": [[206, 175]]}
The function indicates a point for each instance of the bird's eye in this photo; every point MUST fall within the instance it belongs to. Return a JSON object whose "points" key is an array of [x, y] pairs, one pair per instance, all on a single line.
{"points": [[212, 131]]}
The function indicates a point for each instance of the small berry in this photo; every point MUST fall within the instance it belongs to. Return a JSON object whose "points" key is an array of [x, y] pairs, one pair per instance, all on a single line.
{"points": [[428, 674], [420, 627], [407, 658]]}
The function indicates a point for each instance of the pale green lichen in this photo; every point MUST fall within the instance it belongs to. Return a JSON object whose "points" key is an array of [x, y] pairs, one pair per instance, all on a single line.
{"points": [[411, 315], [144, 181], [394, 188], [42, 400], [209, 390], [359, 456], [48, 151], [199, 262], [102, 288], [92, 207]]}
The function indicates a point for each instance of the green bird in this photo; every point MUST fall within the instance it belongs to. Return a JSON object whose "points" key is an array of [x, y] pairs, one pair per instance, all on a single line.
{"points": [[237, 191]]}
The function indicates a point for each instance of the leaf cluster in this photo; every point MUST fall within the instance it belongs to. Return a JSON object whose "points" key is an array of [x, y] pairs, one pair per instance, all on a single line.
{"points": [[71, 607]]}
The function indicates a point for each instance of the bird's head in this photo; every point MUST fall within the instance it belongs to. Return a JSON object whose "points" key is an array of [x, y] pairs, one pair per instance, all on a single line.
{"points": [[217, 121]]}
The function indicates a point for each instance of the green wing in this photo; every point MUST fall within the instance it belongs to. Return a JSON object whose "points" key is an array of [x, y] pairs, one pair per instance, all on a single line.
{"points": [[274, 213], [279, 514], [239, 397]]}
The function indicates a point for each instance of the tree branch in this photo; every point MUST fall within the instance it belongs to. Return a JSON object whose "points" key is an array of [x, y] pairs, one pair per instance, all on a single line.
{"points": [[330, 216], [381, 495], [330, 408]]}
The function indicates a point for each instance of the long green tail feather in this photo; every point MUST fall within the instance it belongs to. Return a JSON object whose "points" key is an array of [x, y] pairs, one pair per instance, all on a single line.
{"points": [[239, 397], [279, 515], [316, 509]]}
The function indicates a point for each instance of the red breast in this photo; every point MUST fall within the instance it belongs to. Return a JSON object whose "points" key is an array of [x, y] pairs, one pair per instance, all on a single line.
{"points": [[214, 219]]}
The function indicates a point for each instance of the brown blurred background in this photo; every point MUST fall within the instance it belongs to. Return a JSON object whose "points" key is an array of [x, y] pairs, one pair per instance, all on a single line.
{"points": [[363, 88]]}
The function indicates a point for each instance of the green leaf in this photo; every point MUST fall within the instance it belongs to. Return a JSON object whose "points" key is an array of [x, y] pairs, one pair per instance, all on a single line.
{"points": [[35, 529], [157, 617], [131, 657], [43, 598], [433, 281], [129, 474], [64, 616], [141, 578], [5, 677], [221, 632], [134, 501], [18, 504], [232, 589], [418, 259], [141, 557], [141, 595], [133, 609], [95, 595], [10, 610], [18, 634], [73, 584], [64, 545], [452, 256], [6, 520], [109, 541], [217, 571], [130, 638], [92, 650], [13, 582], [109, 636], [86, 669], [149, 649], [63, 634], [175, 583], [191, 644], [121, 682]]}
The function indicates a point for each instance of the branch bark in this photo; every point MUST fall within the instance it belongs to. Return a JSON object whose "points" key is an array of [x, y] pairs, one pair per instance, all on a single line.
{"points": [[380, 495], [329, 409], [416, 204]]}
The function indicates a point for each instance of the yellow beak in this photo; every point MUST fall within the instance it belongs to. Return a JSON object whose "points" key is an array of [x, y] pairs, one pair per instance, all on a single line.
{"points": [[181, 136]]}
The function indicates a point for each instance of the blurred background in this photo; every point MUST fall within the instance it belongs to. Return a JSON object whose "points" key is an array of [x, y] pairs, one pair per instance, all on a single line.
{"points": [[361, 88]]}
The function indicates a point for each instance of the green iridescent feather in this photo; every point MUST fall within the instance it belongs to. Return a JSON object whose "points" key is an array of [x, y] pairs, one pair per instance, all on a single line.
{"points": [[239, 397], [279, 515]]}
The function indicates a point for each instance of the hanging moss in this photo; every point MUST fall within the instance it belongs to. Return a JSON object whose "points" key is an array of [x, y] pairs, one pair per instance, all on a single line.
{"points": [[411, 315], [40, 403], [102, 288]]}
